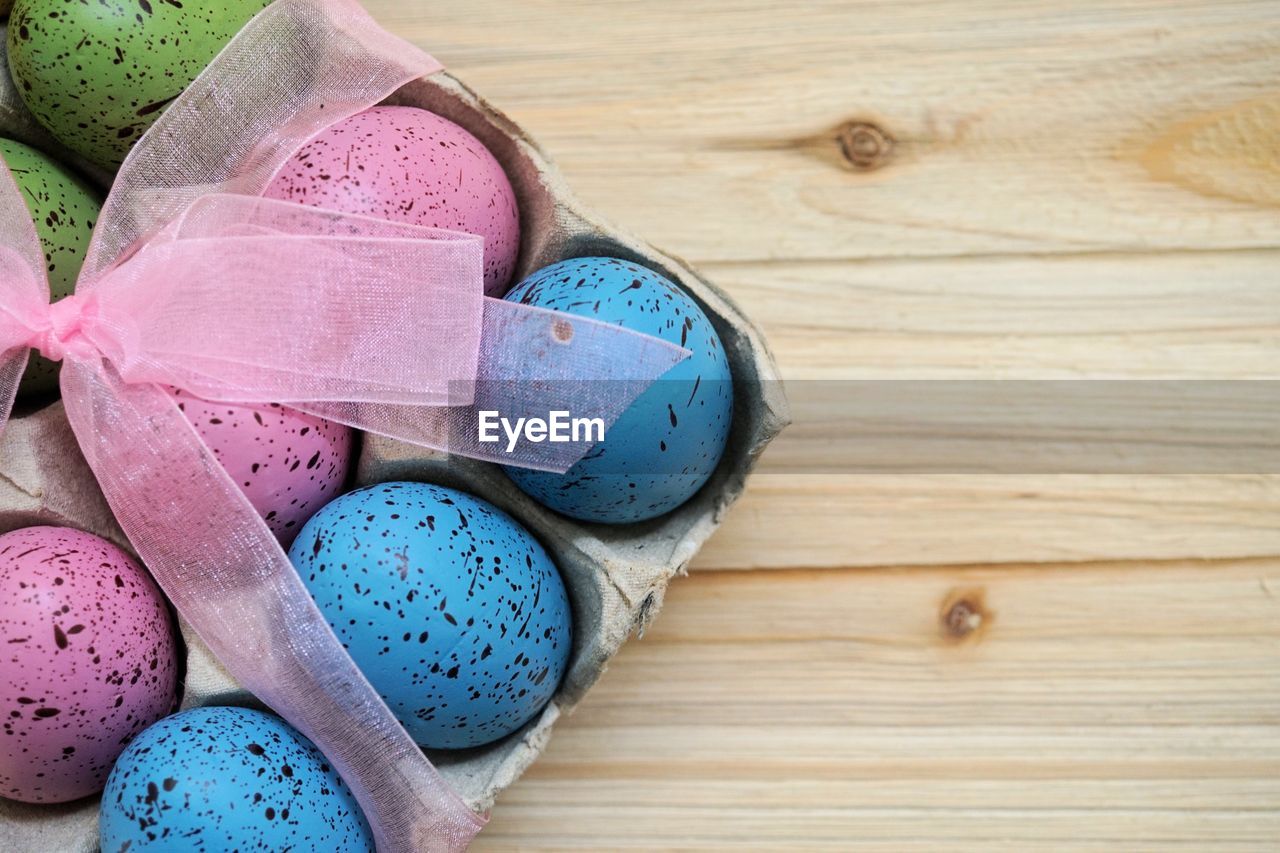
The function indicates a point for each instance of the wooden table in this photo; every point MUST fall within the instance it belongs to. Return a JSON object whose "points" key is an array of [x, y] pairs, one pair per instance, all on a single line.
{"points": [[920, 189]]}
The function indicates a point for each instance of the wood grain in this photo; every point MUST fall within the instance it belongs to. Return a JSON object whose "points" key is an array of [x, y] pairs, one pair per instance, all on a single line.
{"points": [[788, 521], [1191, 315], [1202, 315], [989, 189], [1103, 707], [713, 128]]}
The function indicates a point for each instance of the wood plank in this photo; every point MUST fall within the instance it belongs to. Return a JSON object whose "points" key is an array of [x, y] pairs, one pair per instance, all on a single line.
{"points": [[1204, 315], [716, 129], [1104, 707], [834, 520]]}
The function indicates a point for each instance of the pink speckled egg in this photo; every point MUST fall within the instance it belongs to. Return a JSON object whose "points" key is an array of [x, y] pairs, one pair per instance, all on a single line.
{"points": [[89, 660], [288, 463], [410, 165]]}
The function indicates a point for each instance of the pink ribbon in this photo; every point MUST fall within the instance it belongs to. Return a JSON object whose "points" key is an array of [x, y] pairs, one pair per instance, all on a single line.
{"points": [[195, 282]]}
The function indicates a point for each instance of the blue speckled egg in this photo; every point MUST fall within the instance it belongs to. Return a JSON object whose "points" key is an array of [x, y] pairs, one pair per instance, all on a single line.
{"points": [[227, 779], [452, 610], [666, 445]]}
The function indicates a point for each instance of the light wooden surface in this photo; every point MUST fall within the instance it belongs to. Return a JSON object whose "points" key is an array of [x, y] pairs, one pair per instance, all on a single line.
{"points": [[933, 190]]}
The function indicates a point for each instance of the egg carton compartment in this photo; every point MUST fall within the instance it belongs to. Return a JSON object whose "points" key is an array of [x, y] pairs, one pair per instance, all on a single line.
{"points": [[616, 575]]}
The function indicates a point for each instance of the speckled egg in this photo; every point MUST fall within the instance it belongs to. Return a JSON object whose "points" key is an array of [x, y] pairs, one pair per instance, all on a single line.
{"points": [[98, 74], [64, 209], [664, 447], [223, 779], [453, 611], [410, 165], [89, 660], [288, 463]]}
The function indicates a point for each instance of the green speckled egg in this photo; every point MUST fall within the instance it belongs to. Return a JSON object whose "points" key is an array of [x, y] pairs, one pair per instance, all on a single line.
{"points": [[97, 73], [64, 209]]}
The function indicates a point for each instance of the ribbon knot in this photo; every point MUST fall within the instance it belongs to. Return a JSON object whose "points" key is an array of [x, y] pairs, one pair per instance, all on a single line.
{"points": [[60, 332]]}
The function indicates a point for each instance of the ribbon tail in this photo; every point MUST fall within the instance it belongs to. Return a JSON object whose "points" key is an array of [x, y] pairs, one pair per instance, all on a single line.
{"points": [[533, 363], [219, 564]]}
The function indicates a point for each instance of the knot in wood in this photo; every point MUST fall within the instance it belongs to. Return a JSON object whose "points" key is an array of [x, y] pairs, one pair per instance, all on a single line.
{"points": [[864, 145], [964, 615]]}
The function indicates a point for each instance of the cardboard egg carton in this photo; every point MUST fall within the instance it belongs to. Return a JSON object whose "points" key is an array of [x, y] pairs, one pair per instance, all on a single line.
{"points": [[616, 575]]}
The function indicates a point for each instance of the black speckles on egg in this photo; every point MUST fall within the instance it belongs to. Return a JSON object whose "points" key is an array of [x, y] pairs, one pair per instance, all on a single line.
{"points": [[462, 624], [97, 74], [64, 209], [288, 463], [88, 658], [667, 444], [410, 165], [218, 779]]}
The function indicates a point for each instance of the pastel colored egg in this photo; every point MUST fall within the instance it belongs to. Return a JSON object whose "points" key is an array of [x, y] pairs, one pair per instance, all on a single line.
{"points": [[98, 74], [410, 165], [288, 463], [223, 779], [89, 661], [666, 445], [452, 610], [64, 209]]}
